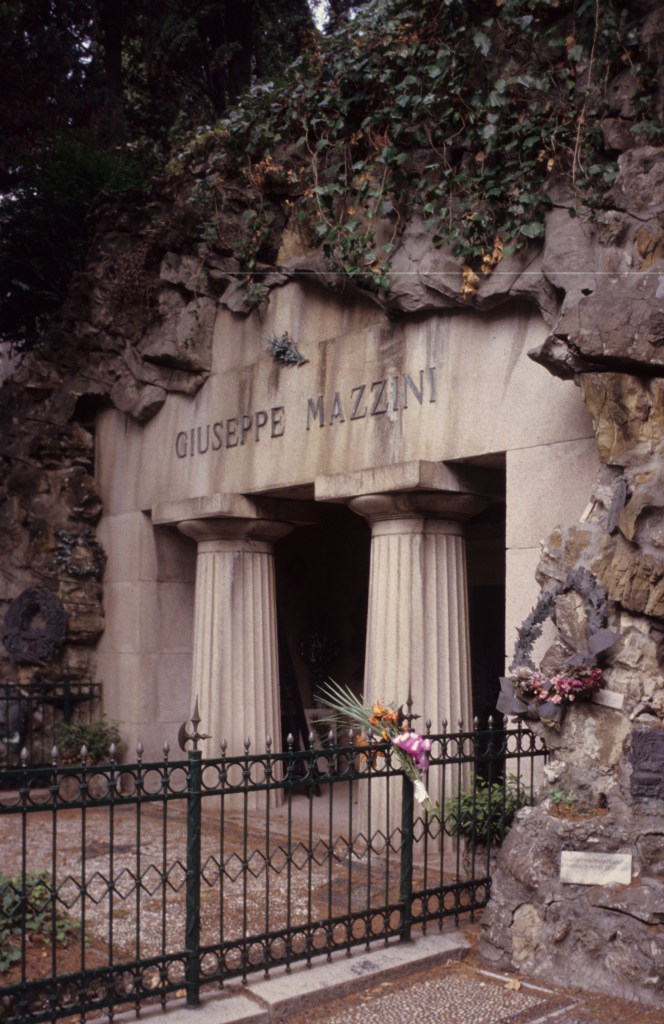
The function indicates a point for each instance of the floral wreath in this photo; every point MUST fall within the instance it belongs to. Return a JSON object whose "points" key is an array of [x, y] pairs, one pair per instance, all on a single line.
{"points": [[34, 645], [91, 565], [527, 692]]}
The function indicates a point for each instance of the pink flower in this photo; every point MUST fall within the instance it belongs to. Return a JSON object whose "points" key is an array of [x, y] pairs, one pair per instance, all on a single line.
{"points": [[416, 746]]}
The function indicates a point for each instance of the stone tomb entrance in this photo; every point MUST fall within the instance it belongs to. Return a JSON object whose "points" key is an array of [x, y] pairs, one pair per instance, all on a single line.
{"points": [[322, 590], [372, 514]]}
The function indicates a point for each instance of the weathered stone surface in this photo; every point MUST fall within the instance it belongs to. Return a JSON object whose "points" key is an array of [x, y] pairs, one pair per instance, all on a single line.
{"points": [[182, 336], [170, 379], [141, 402], [639, 188], [616, 133], [64, 445], [644, 901], [607, 938], [81, 495], [633, 578], [622, 321], [570, 256], [628, 414], [184, 270], [82, 602]]}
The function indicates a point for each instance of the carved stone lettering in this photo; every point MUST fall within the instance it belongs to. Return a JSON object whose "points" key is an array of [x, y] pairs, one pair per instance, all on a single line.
{"points": [[375, 398]]}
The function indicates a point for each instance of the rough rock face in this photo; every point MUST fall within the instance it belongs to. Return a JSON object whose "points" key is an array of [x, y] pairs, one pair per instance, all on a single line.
{"points": [[137, 324], [601, 937], [597, 937]]}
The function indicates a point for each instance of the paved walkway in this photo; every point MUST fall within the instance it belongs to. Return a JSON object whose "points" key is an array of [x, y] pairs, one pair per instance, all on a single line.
{"points": [[434, 980]]}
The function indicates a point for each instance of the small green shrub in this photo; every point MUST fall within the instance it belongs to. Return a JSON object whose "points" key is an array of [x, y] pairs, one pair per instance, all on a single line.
{"points": [[568, 804], [485, 811], [30, 905], [562, 799], [96, 736]]}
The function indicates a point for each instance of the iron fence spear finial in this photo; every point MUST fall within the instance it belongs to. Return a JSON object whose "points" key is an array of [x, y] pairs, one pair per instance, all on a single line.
{"points": [[195, 736]]}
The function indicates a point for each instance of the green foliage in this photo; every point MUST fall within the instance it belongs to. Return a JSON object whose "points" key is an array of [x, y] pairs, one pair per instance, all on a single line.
{"points": [[96, 736], [463, 113], [30, 905], [93, 94], [568, 804], [561, 799], [484, 812]]}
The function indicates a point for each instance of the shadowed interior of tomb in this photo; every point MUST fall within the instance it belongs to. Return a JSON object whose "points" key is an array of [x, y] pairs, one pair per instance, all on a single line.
{"points": [[322, 581]]}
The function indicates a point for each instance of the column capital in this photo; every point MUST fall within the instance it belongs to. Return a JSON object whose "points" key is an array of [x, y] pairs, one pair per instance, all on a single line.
{"points": [[217, 530], [233, 506], [442, 506], [233, 518]]}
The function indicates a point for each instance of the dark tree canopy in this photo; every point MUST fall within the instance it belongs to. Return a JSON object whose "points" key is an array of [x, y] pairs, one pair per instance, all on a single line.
{"points": [[467, 116], [94, 94]]}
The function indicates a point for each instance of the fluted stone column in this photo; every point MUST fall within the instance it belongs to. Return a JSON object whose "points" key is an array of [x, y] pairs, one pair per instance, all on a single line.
{"points": [[235, 665], [417, 636], [417, 629]]}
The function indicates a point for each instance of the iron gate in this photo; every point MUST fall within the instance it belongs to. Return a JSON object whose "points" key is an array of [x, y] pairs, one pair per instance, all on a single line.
{"points": [[139, 883]]}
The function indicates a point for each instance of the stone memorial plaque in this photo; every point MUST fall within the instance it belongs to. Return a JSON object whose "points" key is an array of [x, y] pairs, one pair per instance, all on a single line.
{"points": [[609, 699], [584, 868], [647, 757]]}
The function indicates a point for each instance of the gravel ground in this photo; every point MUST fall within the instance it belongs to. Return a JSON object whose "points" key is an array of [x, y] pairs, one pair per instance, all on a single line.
{"points": [[127, 894], [466, 992]]}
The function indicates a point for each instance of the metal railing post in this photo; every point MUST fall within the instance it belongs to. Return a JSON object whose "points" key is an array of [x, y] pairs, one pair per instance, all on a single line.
{"points": [[406, 866], [193, 908]]}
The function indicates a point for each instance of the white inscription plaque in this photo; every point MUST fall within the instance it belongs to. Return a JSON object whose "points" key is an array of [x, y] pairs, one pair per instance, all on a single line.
{"points": [[583, 868], [609, 699]]}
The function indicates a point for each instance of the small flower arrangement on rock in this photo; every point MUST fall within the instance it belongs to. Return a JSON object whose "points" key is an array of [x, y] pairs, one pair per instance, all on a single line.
{"points": [[528, 692], [384, 724]]}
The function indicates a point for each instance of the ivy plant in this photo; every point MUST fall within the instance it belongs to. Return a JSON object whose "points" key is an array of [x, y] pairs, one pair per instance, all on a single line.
{"points": [[465, 114]]}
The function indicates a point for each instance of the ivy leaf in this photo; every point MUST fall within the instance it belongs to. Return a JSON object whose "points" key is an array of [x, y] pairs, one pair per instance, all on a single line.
{"points": [[534, 229], [482, 42]]}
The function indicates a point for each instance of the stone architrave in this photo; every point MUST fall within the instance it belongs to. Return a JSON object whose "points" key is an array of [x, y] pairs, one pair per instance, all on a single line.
{"points": [[417, 627], [235, 668]]}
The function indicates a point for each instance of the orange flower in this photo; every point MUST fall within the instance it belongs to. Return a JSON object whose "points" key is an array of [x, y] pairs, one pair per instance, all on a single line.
{"points": [[369, 755], [382, 717]]}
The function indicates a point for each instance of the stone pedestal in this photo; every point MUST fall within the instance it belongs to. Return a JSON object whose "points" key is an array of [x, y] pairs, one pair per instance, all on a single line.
{"points": [[235, 664]]}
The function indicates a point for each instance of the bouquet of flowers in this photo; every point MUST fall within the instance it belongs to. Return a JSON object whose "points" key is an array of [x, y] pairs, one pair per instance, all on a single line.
{"points": [[384, 724], [529, 692]]}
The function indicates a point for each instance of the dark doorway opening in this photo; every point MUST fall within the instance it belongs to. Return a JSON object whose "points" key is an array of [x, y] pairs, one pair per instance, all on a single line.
{"points": [[322, 574]]}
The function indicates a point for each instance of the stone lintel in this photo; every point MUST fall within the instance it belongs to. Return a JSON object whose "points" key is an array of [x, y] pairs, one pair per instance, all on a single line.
{"points": [[233, 506], [417, 475]]}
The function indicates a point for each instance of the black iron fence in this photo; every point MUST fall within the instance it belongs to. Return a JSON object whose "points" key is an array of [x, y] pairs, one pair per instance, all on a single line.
{"points": [[29, 715], [129, 884]]}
